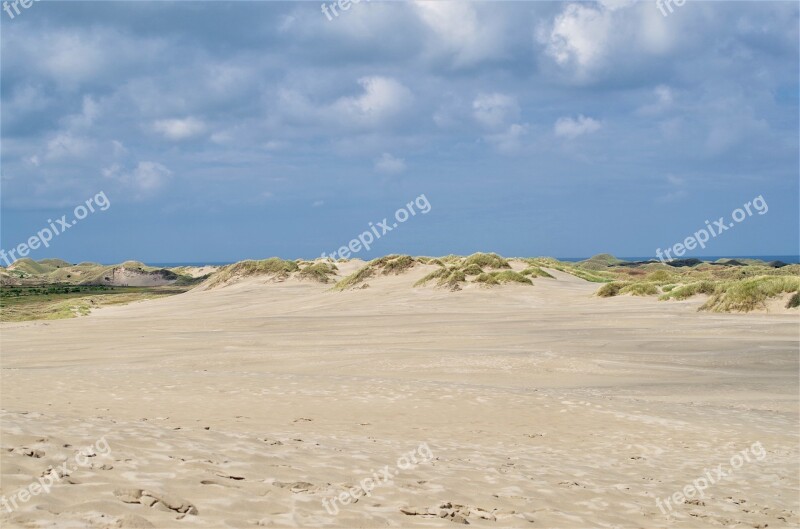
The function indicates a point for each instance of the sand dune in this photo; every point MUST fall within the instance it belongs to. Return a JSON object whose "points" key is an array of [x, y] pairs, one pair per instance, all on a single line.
{"points": [[542, 406]]}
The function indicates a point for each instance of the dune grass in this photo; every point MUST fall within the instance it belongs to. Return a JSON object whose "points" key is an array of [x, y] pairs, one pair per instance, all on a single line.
{"points": [[487, 260], [535, 271], [794, 301], [320, 272], [692, 289], [274, 266], [391, 264], [487, 279], [509, 276], [749, 294]]}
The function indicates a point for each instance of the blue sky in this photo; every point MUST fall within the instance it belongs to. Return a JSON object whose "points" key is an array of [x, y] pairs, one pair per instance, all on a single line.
{"points": [[222, 131]]}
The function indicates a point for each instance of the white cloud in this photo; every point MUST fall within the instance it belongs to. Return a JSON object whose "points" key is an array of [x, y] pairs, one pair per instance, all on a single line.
{"points": [[179, 129], [572, 128], [495, 110], [145, 178], [461, 31], [389, 164], [383, 98], [68, 145], [579, 34]]}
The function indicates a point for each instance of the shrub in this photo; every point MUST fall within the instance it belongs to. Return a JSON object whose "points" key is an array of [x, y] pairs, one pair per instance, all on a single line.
{"points": [[611, 289]]}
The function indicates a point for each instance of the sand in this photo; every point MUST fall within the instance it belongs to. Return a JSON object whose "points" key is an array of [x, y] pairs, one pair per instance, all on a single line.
{"points": [[539, 406]]}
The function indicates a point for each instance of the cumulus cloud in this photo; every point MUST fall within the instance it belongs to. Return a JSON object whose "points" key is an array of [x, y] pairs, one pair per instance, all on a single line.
{"points": [[383, 98], [460, 31], [570, 128], [389, 164], [179, 129], [579, 35]]}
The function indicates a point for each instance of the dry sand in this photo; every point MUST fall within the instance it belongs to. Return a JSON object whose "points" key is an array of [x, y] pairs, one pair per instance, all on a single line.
{"points": [[542, 406]]}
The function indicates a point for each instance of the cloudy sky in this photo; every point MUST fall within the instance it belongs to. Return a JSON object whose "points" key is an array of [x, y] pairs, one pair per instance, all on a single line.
{"points": [[228, 130]]}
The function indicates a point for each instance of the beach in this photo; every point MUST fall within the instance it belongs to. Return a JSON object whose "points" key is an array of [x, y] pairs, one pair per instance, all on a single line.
{"points": [[257, 403]]}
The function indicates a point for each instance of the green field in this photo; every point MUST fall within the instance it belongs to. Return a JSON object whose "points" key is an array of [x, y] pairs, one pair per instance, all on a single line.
{"points": [[59, 301]]}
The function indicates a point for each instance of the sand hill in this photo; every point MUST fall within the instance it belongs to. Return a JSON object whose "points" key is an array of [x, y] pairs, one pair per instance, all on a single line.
{"points": [[251, 402]]}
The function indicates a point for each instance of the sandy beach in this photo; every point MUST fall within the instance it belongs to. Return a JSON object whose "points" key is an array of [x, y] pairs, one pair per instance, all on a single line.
{"points": [[252, 404]]}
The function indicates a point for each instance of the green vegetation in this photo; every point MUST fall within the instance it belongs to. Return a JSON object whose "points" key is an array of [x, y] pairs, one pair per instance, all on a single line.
{"points": [[487, 260], [599, 262], [472, 270], [749, 294], [640, 289], [59, 301], [689, 290], [794, 301], [611, 289], [274, 266], [487, 279], [509, 276], [535, 271], [320, 272], [450, 277], [390, 264]]}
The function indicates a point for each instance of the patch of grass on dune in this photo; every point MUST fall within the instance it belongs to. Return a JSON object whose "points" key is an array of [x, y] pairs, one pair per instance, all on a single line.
{"points": [[273, 266], [509, 276], [487, 279], [692, 289], [609, 290], [320, 272], [749, 294], [451, 259], [450, 277], [472, 270], [593, 277], [639, 289], [794, 301], [394, 264], [535, 271], [487, 260], [354, 279], [390, 264], [499, 278]]}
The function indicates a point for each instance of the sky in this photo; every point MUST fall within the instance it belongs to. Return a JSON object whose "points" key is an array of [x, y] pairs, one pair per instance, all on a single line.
{"points": [[221, 131]]}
